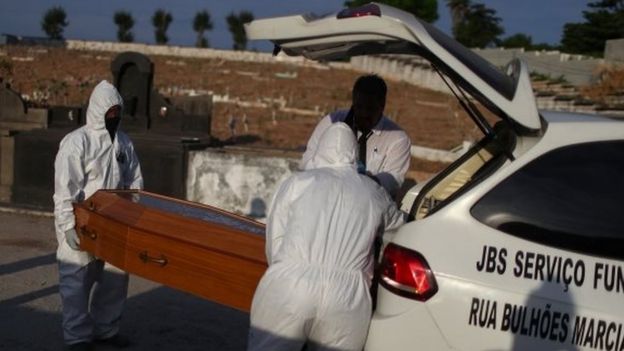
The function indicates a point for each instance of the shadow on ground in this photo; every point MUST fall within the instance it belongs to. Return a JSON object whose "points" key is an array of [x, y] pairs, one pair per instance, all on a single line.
{"points": [[159, 319]]}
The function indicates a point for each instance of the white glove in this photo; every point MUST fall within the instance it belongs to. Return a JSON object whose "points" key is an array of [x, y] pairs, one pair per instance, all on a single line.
{"points": [[72, 239]]}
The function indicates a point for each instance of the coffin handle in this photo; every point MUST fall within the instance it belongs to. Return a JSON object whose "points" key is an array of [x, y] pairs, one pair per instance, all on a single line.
{"points": [[146, 258], [92, 234]]}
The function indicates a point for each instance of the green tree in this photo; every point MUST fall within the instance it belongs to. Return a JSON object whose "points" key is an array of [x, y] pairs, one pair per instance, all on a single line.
{"points": [[54, 22], [604, 21], [521, 40], [236, 26], [202, 23], [124, 22], [545, 46], [459, 9], [161, 20], [479, 28], [518, 40], [424, 9]]}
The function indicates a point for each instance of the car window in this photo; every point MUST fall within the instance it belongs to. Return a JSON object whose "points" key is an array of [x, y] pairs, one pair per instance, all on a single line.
{"points": [[570, 198], [495, 78]]}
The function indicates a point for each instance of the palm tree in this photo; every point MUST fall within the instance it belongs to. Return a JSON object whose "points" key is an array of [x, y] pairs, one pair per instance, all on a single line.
{"points": [[54, 22], [202, 23], [459, 10], [480, 27], [161, 20], [124, 22], [235, 25]]}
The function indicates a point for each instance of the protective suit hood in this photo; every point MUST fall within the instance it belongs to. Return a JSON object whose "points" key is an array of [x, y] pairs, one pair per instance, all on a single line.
{"points": [[337, 148], [103, 97]]}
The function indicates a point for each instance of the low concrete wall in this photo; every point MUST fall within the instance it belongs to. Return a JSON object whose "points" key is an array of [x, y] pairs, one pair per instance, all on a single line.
{"points": [[576, 69], [614, 50], [238, 180], [399, 68], [243, 180], [185, 51], [168, 50]]}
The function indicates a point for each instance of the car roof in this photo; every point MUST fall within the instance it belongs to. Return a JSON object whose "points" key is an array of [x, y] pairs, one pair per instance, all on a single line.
{"points": [[571, 128], [378, 28], [568, 117]]}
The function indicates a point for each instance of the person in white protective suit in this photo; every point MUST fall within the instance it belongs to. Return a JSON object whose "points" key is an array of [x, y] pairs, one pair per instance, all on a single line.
{"points": [[95, 156], [321, 226]]}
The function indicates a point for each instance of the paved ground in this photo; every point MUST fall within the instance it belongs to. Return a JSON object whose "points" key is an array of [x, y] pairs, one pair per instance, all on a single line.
{"points": [[156, 317]]}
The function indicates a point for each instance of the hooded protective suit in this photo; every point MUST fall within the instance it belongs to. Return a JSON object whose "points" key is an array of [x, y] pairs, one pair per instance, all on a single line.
{"points": [[88, 160], [320, 232]]}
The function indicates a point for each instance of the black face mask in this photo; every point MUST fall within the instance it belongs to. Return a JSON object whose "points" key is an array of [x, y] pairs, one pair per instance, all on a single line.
{"points": [[111, 126]]}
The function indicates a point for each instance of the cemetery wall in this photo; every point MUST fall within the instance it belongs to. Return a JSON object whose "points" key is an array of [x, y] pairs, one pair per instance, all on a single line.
{"points": [[237, 179]]}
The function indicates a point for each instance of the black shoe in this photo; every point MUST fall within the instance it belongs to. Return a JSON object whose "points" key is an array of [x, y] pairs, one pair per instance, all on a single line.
{"points": [[81, 346], [117, 341]]}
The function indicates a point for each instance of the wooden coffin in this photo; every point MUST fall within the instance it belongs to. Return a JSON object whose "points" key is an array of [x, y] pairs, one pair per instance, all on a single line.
{"points": [[200, 249]]}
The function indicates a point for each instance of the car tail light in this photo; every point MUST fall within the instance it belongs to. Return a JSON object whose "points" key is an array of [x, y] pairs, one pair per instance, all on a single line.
{"points": [[361, 11], [406, 273]]}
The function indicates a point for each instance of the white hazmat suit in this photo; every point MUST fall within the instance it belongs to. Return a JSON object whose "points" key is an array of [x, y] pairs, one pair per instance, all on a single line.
{"points": [[320, 232], [88, 160]]}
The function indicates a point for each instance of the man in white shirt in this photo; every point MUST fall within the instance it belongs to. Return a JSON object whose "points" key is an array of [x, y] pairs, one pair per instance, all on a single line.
{"points": [[383, 147]]}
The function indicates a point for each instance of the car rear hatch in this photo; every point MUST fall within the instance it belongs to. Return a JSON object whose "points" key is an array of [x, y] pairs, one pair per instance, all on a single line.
{"points": [[380, 29]]}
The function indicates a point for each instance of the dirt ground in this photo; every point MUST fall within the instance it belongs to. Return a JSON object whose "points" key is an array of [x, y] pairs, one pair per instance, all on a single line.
{"points": [[156, 317], [430, 118]]}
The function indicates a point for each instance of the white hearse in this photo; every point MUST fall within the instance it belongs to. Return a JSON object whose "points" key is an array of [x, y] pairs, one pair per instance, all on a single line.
{"points": [[519, 244]]}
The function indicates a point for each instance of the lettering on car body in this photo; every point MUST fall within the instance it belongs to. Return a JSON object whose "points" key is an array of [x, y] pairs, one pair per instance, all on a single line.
{"points": [[556, 269], [547, 323]]}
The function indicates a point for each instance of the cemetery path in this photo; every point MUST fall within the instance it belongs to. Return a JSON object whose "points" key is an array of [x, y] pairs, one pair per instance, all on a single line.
{"points": [[156, 317]]}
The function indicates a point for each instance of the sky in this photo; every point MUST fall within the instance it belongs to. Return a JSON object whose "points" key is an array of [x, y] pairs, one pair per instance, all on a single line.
{"points": [[543, 20]]}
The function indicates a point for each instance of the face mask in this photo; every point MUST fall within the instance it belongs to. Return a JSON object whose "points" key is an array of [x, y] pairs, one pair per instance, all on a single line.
{"points": [[111, 125]]}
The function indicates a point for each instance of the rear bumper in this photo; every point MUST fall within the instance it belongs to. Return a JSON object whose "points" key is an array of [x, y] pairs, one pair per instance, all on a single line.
{"points": [[403, 324]]}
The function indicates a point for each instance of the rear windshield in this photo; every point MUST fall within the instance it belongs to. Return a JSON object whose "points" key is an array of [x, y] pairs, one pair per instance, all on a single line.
{"points": [[569, 198], [502, 83]]}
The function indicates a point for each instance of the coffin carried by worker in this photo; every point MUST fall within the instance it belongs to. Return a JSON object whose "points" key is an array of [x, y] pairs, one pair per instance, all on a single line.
{"points": [[200, 249]]}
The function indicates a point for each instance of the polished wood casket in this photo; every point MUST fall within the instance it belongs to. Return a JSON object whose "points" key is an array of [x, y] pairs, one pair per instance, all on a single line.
{"points": [[200, 249]]}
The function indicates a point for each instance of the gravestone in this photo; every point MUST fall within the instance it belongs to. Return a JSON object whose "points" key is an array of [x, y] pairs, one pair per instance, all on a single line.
{"points": [[65, 116], [147, 110], [133, 76], [12, 107], [14, 116], [184, 116], [13, 112]]}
